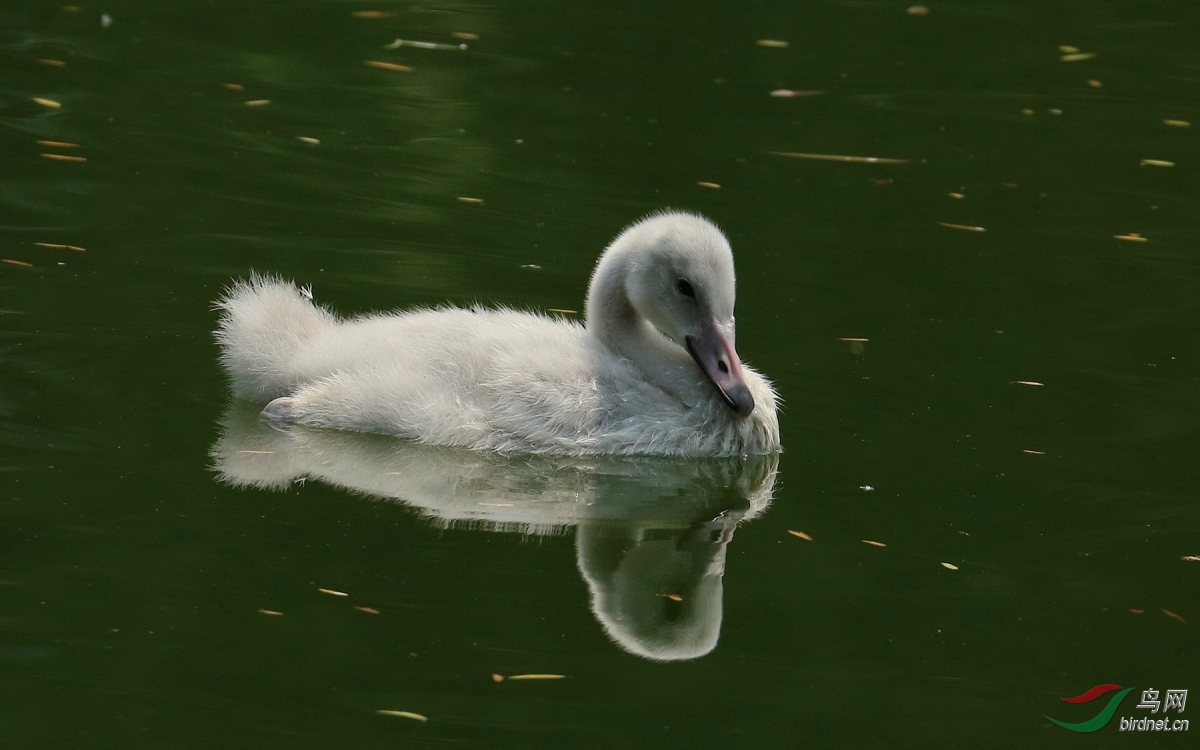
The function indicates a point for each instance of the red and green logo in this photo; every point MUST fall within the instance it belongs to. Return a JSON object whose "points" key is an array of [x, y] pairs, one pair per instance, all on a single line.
{"points": [[1101, 719]]}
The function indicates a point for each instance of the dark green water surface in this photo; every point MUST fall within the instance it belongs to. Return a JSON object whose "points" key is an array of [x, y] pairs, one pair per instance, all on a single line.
{"points": [[146, 523]]}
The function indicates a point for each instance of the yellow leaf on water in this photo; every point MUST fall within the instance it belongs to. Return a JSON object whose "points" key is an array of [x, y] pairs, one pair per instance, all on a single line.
{"points": [[1174, 616], [841, 157], [271, 612], [949, 566], [1177, 123], [964, 227], [64, 157], [388, 66], [402, 714], [257, 102], [16, 262], [1078, 56], [1157, 163], [873, 543], [537, 677], [48, 102], [306, 139], [331, 592], [800, 534], [1131, 237], [713, 185], [778, 43]]}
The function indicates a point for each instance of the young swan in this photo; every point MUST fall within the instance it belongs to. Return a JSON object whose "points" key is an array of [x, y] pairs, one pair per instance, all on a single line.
{"points": [[653, 371]]}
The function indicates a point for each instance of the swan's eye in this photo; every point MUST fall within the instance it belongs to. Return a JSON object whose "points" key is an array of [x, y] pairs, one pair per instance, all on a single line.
{"points": [[685, 288]]}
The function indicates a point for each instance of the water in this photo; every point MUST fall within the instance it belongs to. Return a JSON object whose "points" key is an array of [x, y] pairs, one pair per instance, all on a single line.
{"points": [[134, 573]]}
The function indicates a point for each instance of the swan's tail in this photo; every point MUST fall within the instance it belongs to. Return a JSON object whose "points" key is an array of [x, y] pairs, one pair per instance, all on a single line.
{"points": [[264, 321]]}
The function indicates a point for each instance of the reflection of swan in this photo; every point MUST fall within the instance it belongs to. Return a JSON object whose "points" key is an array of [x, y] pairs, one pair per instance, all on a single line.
{"points": [[654, 372], [652, 532]]}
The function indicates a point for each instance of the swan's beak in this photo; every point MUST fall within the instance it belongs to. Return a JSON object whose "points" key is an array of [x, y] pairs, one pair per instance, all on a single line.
{"points": [[713, 351]]}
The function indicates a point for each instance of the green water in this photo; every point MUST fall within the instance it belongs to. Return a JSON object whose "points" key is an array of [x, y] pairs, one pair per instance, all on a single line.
{"points": [[133, 571]]}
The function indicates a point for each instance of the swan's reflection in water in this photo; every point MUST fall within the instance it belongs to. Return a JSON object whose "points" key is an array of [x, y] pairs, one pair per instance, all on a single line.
{"points": [[651, 533]]}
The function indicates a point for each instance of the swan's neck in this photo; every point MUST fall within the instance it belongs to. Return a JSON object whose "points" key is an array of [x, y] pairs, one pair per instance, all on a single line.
{"points": [[612, 319]]}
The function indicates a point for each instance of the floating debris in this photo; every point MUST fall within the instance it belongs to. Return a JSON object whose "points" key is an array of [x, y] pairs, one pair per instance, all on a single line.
{"points": [[672, 597], [368, 610], [423, 45], [56, 246], [310, 141], [1177, 123], [1157, 163], [866, 488], [917, 10], [1055, 111], [47, 102], [234, 86], [270, 612], [52, 62], [16, 262], [1027, 111], [257, 102], [1138, 611], [554, 310], [537, 677], [1077, 56], [331, 592], [464, 199], [402, 714], [793, 93], [1033, 452], [105, 20], [64, 157], [800, 534], [388, 66], [371, 14], [468, 35], [873, 543], [1028, 382], [776, 43], [1131, 237], [949, 566], [58, 144], [497, 677], [1174, 616], [71, 8], [957, 196], [1190, 558], [853, 338], [713, 185], [258, 453], [841, 158], [1094, 83], [964, 227], [1067, 49]]}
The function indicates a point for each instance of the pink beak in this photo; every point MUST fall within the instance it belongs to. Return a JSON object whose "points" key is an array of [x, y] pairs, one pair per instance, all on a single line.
{"points": [[718, 361]]}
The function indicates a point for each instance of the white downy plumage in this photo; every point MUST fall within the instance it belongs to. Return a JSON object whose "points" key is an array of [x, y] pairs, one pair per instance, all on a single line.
{"points": [[653, 371]]}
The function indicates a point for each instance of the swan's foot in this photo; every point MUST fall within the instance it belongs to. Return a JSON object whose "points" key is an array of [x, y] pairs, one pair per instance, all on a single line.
{"points": [[278, 413]]}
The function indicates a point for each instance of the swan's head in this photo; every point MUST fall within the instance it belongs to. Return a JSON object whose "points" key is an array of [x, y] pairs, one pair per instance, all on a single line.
{"points": [[675, 271]]}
